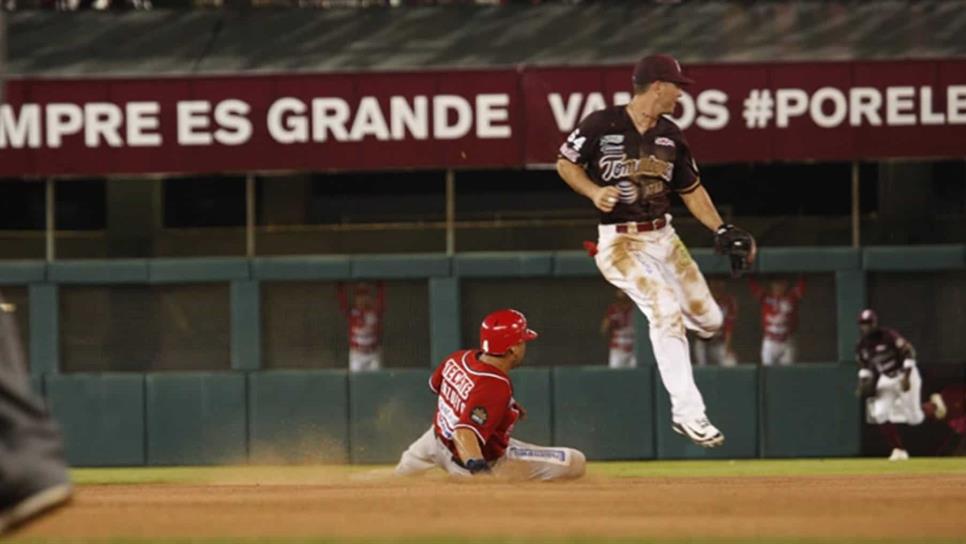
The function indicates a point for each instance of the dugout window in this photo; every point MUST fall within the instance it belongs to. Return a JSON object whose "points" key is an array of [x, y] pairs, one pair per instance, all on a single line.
{"points": [[144, 328], [926, 308], [567, 314], [303, 325], [815, 336]]}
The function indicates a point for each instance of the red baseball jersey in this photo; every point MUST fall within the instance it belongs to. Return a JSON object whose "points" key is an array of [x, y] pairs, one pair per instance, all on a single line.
{"points": [[365, 327], [621, 319], [476, 396], [729, 310], [779, 314]]}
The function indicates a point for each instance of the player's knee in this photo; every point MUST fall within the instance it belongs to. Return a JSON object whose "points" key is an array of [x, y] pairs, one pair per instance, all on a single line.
{"points": [[878, 415], [709, 322], [916, 417]]}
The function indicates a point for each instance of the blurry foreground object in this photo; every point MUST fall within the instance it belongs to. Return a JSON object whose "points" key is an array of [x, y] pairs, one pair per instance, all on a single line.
{"points": [[33, 473]]}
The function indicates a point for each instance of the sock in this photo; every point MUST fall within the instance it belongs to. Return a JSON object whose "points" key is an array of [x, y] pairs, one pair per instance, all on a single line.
{"points": [[891, 434]]}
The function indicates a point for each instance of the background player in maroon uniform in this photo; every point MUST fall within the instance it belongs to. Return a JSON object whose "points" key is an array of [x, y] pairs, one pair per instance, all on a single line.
{"points": [[476, 413], [365, 325], [888, 377], [618, 327], [779, 318]]}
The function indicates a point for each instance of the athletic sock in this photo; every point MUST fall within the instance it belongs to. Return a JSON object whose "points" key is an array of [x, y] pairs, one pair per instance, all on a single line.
{"points": [[891, 434]]}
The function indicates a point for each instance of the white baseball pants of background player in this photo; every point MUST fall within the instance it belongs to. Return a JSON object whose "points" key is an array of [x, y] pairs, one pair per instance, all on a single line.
{"points": [[773, 351], [893, 405], [364, 360], [619, 358], [713, 352], [522, 460], [659, 275]]}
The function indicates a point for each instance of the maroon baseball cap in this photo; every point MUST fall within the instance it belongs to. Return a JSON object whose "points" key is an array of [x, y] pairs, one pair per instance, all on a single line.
{"points": [[660, 68]]}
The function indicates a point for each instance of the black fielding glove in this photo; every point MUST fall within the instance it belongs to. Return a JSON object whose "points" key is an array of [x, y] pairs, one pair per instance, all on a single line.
{"points": [[476, 466], [737, 244]]}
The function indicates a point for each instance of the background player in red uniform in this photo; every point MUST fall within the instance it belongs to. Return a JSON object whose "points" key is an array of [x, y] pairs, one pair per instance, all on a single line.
{"points": [[779, 319], [888, 377], [949, 406], [365, 325], [717, 350], [618, 327], [476, 412]]}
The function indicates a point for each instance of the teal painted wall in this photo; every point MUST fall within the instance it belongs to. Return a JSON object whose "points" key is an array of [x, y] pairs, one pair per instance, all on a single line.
{"points": [[318, 416]]}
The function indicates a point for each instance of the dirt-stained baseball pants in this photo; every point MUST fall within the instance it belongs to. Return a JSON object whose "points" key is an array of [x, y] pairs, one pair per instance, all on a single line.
{"points": [[659, 275], [892, 404], [522, 460]]}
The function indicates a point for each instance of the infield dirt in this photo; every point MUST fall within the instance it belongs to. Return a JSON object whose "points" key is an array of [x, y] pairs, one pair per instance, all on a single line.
{"points": [[918, 507]]}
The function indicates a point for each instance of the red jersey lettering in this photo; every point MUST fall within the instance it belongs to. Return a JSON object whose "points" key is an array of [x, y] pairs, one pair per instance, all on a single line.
{"points": [[475, 396]]}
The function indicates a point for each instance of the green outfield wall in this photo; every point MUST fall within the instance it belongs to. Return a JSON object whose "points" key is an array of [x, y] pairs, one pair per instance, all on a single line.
{"points": [[242, 410]]}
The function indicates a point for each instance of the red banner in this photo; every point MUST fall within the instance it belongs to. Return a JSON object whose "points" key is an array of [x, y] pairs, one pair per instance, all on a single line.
{"points": [[469, 118]]}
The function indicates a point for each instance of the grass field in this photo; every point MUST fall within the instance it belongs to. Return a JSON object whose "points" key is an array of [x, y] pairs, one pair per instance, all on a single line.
{"points": [[809, 501]]}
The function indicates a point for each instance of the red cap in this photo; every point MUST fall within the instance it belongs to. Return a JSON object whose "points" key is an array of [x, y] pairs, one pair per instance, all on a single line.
{"points": [[659, 68], [504, 329]]}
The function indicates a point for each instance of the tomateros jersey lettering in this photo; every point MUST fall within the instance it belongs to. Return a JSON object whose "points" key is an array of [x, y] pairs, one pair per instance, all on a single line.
{"points": [[645, 167], [884, 351], [476, 396]]}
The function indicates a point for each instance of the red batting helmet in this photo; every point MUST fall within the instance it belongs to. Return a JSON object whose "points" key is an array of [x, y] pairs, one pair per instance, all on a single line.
{"points": [[868, 317], [503, 329]]}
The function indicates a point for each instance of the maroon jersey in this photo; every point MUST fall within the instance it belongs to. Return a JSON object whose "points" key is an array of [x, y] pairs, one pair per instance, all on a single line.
{"points": [[883, 350], [644, 167], [476, 396]]}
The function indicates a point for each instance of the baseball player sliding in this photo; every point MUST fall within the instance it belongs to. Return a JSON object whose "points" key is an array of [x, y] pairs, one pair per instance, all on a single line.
{"points": [[476, 412], [889, 380], [627, 160]]}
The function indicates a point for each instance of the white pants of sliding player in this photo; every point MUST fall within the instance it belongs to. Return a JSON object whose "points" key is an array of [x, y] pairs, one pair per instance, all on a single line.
{"points": [[659, 275], [773, 351], [522, 460], [893, 405], [364, 360]]}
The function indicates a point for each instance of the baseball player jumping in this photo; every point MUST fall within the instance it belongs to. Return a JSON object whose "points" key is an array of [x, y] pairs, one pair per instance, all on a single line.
{"points": [[627, 160], [476, 412], [889, 380]]}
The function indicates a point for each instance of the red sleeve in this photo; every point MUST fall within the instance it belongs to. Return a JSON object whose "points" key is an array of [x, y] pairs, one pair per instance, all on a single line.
{"points": [[485, 408], [799, 290], [756, 290], [343, 299], [380, 297], [731, 313]]}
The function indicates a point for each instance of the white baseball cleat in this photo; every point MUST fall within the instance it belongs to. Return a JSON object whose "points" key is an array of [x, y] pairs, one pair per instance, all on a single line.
{"points": [[899, 455], [937, 400], [701, 432]]}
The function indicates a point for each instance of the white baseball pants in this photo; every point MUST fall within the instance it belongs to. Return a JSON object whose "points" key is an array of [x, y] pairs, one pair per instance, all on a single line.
{"points": [[522, 460], [775, 352], [619, 358], [713, 352], [364, 361], [893, 405], [659, 275]]}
